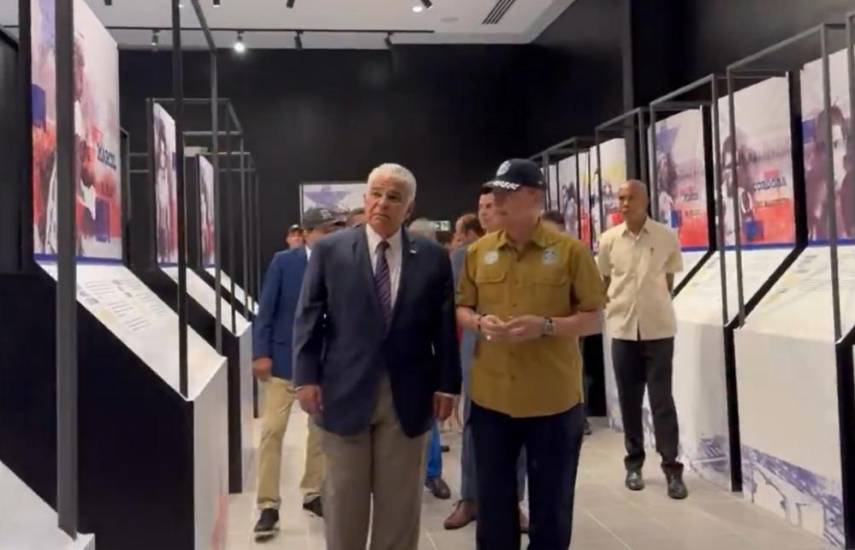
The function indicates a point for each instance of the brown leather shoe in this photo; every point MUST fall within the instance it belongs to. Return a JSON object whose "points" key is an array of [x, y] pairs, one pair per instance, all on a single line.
{"points": [[465, 512], [523, 522]]}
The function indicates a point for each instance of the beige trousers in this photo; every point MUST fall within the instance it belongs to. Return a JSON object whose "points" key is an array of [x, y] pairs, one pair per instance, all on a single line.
{"points": [[382, 463], [279, 396]]}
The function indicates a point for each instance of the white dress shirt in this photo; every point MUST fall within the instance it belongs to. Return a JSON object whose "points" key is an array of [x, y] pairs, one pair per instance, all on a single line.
{"points": [[394, 257], [308, 252]]}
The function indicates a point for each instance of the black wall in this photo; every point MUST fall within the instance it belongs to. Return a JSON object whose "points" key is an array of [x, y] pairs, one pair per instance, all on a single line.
{"points": [[450, 113], [575, 73]]}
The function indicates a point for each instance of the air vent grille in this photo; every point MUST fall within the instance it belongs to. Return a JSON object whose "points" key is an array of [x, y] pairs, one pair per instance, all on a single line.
{"points": [[498, 12]]}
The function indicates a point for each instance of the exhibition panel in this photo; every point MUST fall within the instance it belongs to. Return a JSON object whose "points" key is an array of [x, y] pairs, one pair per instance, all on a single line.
{"points": [[141, 485], [240, 293], [568, 191], [585, 220], [553, 199], [610, 176], [782, 359], [681, 184]]}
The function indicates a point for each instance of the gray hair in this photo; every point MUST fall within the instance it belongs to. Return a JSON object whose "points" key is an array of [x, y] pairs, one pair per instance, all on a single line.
{"points": [[397, 173], [424, 228]]}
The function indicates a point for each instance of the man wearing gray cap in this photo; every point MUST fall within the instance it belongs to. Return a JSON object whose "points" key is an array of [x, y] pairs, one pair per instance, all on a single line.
{"points": [[272, 339]]}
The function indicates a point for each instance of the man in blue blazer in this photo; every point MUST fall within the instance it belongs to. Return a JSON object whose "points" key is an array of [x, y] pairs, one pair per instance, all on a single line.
{"points": [[272, 351], [376, 361]]}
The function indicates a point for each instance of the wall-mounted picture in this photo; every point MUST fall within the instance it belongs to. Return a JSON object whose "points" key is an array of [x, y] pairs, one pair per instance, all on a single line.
{"points": [[763, 187], [595, 197], [585, 197], [165, 181], [207, 222], [96, 134], [841, 148], [681, 184], [338, 196]]}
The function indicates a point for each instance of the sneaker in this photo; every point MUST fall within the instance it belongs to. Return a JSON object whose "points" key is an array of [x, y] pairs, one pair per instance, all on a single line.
{"points": [[314, 506], [268, 523], [465, 512], [676, 487], [634, 481]]}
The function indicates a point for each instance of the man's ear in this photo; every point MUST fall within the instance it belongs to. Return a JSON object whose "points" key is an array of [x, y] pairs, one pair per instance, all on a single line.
{"points": [[410, 210]]}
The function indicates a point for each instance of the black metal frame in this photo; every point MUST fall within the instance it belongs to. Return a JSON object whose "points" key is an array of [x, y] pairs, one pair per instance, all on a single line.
{"points": [[567, 148], [845, 377], [631, 124]]}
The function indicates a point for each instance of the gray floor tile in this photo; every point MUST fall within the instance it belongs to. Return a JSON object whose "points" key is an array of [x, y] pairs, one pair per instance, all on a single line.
{"points": [[607, 516]]}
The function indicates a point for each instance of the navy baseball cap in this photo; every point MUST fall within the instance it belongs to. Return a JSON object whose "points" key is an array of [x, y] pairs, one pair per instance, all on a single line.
{"points": [[516, 173]]}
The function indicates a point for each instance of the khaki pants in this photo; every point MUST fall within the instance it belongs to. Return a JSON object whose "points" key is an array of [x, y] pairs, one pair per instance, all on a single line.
{"points": [[279, 396], [384, 463]]}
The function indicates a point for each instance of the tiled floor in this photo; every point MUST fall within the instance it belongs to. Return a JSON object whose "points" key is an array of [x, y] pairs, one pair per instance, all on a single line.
{"points": [[607, 516]]}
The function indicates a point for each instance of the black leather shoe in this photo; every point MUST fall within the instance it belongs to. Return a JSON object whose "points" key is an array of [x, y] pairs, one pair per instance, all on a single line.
{"points": [[314, 506], [445, 448], [676, 488], [267, 524], [438, 488], [634, 481]]}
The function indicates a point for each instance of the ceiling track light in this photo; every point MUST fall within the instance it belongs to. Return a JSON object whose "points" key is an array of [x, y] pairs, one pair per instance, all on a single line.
{"points": [[216, 3], [240, 46], [290, 3], [388, 40], [298, 40]]}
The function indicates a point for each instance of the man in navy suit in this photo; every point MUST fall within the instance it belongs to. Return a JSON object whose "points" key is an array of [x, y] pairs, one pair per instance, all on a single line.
{"points": [[376, 361], [273, 333]]}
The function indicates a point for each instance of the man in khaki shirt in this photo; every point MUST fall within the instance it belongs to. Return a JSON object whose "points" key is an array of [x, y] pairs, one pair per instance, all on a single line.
{"points": [[529, 291], [638, 259]]}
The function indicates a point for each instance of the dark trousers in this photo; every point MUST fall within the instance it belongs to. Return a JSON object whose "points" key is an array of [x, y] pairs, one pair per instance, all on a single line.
{"points": [[552, 445], [647, 363]]}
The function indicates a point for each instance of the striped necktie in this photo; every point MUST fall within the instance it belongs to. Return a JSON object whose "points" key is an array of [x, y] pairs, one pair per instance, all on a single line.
{"points": [[383, 282]]}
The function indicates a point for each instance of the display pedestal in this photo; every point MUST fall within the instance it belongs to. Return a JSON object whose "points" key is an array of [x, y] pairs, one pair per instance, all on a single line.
{"points": [[27, 522], [788, 406], [699, 382], [209, 274], [152, 464], [237, 347]]}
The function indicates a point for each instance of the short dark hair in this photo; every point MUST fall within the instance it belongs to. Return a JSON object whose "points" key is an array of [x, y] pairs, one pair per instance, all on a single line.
{"points": [[469, 222], [554, 216]]}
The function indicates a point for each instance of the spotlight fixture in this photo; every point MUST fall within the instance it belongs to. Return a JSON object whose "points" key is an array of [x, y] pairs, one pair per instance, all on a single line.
{"points": [[155, 38], [298, 40], [425, 5], [216, 3], [290, 3], [418, 8], [388, 40], [239, 46]]}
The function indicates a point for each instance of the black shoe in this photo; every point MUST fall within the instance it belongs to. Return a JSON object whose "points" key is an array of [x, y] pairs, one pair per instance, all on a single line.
{"points": [[445, 448], [267, 524], [634, 481], [587, 429], [314, 506], [438, 488], [676, 488]]}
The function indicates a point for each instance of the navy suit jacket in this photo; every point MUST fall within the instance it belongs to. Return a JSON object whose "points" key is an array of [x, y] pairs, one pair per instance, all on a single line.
{"points": [[341, 341], [274, 326]]}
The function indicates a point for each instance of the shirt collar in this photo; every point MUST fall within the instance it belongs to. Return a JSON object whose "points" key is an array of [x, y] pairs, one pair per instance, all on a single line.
{"points": [[375, 239], [644, 228], [540, 236]]}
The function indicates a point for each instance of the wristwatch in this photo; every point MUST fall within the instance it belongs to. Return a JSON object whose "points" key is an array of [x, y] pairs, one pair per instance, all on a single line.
{"points": [[548, 327]]}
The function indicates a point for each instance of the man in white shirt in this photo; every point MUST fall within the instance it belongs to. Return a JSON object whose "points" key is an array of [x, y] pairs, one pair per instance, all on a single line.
{"points": [[638, 260]]}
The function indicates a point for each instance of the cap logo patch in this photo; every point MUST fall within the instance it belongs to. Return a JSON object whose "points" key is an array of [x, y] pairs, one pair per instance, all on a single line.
{"points": [[491, 257], [503, 169]]}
